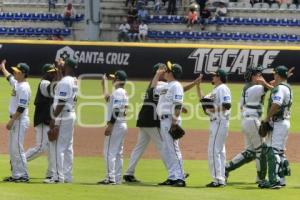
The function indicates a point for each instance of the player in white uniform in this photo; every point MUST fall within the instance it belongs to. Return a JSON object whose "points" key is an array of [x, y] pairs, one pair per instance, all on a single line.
{"points": [[149, 124], [19, 120], [251, 105], [63, 117], [43, 103], [116, 128], [278, 116], [219, 122], [169, 109]]}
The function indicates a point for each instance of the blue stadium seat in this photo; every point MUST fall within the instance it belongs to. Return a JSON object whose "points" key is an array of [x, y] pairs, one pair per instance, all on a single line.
{"points": [[2, 16], [228, 36], [178, 19], [53, 17], [236, 36], [38, 31], [294, 22], [293, 38], [79, 17], [152, 34], [47, 31], [284, 22], [267, 22], [265, 37], [29, 31], [217, 36], [3, 30], [26, 16], [275, 22], [11, 31], [208, 36], [66, 32], [222, 20], [18, 16], [35, 16], [199, 35], [60, 17], [274, 37], [9, 16], [248, 21], [255, 36], [57, 31], [258, 21], [161, 35], [246, 36], [189, 35], [44, 17], [20, 31], [283, 37]]}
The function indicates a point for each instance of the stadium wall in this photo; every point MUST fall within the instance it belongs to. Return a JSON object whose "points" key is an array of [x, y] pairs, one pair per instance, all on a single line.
{"points": [[138, 58]]}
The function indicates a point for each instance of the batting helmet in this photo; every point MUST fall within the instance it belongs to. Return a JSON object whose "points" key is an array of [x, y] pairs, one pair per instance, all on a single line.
{"points": [[252, 71], [175, 68]]}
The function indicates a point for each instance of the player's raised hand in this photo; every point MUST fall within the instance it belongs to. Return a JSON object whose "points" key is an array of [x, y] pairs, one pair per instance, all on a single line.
{"points": [[261, 80], [199, 79], [2, 65]]}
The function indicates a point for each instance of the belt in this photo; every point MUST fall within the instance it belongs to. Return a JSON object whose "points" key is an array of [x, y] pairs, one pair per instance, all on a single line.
{"points": [[248, 116], [213, 119], [258, 107], [216, 118], [165, 117], [68, 110], [278, 119]]}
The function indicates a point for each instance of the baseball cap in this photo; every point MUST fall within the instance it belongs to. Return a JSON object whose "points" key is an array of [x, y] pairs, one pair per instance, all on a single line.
{"points": [[221, 73], [281, 71], [175, 68], [157, 66], [48, 68], [119, 75], [71, 63], [21, 67]]}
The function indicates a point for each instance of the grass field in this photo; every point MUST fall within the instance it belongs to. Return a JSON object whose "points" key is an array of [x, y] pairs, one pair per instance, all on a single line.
{"points": [[90, 170], [91, 111]]}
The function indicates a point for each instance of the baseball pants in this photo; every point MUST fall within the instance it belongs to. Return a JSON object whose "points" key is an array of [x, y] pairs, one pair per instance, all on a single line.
{"points": [[171, 151], [42, 145], [61, 150], [145, 135], [216, 149], [113, 152], [16, 150]]}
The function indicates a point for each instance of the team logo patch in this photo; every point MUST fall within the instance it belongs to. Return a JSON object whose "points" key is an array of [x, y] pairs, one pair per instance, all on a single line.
{"points": [[63, 94], [178, 97], [23, 101], [226, 98], [164, 91], [276, 98]]}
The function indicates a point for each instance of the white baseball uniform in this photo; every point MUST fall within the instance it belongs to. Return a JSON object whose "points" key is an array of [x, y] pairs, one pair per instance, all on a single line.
{"points": [[252, 105], [42, 128], [170, 95], [149, 128], [61, 150], [21, 94], [113, 144], [282, 96], [218, 133]]}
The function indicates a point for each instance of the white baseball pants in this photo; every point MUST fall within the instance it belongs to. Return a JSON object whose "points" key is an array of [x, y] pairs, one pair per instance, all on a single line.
{"points": [[216, 149], [145, 135], [113, 152], [16, 150]]}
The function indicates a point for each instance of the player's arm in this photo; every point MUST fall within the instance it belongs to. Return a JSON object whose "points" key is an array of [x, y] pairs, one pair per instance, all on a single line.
{"points": [[273, 110], [14, 117], [193, 83], [176, 112], [10, 78], [264, 83], [105, 88], [277, 101], [155, 80], [200, 93]]}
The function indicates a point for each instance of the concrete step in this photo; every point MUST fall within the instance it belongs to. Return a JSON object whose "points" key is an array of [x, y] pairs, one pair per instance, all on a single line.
{"points": [[39, 24]]}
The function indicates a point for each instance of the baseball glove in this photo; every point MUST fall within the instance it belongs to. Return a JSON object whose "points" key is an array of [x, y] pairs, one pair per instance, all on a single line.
{"points": [[176, 132], [264, 129], [53, 134], [206, 103]]}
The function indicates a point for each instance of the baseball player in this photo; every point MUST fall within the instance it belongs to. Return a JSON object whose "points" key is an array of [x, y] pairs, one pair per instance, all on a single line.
{"points": [[19, 120], [43, 102], [219, 115], [116, 128], [63, 118], [149, 124], [251, 106], [278, 116], [169, 109]]}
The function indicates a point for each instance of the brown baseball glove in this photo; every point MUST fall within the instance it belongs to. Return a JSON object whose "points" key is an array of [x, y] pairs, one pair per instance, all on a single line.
{"points": [[264, 129], [53, 134], [176, 132]]}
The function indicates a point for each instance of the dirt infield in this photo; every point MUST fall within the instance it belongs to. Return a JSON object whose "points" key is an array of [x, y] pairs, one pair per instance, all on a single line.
{"points": [[89, 142]]}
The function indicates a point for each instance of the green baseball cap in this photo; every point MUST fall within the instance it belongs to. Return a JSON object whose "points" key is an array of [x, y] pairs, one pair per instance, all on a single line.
{"points": [[119, 75], [220, 73], [175, 68], [281, 71], [47, 68], [71, 63], [21, 67]]}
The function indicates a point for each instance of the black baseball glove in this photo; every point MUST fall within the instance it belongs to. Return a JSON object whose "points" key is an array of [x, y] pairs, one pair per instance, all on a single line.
{"points": [[206, 103], [176, 132], [264, 129]]}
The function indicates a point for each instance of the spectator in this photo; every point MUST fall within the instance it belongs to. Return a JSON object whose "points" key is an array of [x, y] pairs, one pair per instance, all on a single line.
{"points": [[139, 4], [51, 4], [143, 31], [221, 10], [123, 32], [171, 7], [134, 31], [131, 15], [157, 5], [192, 17], [164, 2], [131, 1], [201, 4], [205, 15], [69, 15], [142, 14]]}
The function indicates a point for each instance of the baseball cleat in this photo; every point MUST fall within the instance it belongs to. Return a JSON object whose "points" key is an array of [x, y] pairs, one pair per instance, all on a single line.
{"points": [[268, 185], [9, 179], [167, 182], [179, 183], [51, 181], [106, 182], [214, 185], [130, 179], [22, 180]]}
